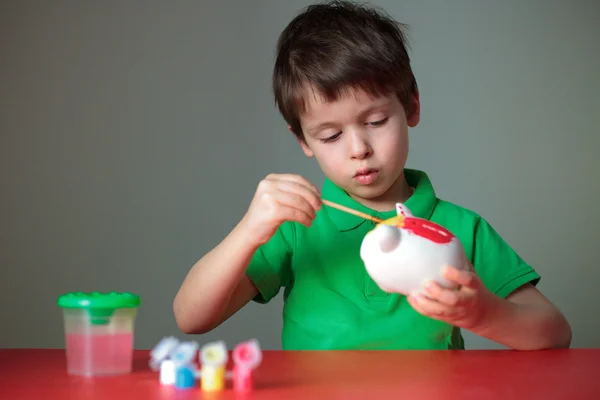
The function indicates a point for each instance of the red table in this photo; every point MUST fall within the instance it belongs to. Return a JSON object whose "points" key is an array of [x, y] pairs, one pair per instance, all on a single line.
{"points": [[472, 374]]}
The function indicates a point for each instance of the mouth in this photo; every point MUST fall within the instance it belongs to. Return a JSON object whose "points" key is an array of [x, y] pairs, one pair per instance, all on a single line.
{"points": [[366, 176]]}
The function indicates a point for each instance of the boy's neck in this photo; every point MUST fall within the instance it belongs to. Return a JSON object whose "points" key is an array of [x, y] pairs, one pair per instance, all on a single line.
{"points": [[399, 192]]}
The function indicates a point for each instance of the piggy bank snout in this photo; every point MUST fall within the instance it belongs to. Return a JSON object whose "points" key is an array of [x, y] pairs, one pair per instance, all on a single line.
{"points": [[387, 237]]}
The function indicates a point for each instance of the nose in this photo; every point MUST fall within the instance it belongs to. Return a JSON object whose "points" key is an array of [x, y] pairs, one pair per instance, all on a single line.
{"points": [[360, 147]]}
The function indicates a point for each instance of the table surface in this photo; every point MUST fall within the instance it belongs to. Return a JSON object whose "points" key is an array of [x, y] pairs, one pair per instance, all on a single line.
{"points": [[470, 374]]}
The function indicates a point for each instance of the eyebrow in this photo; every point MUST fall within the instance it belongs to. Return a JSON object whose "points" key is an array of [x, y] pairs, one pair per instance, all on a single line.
{"points": [[312, 130]]}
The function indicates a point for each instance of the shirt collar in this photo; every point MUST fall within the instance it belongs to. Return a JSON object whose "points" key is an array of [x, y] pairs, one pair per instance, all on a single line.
{"points": [[421, 203]]}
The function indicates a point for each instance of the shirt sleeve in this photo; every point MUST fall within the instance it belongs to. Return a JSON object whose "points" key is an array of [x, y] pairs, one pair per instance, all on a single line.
{"points": [[500, 268], [270, 267]]}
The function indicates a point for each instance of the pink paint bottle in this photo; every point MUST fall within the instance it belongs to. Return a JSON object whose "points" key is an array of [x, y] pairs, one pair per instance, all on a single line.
{"points": [[246, 357]]}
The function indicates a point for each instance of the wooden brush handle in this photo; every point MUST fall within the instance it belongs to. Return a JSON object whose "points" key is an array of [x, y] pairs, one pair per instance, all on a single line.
{"points": [[352, 211]]}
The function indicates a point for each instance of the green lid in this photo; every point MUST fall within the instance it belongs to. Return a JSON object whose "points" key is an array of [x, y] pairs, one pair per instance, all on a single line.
{"points": [[99, 305]]}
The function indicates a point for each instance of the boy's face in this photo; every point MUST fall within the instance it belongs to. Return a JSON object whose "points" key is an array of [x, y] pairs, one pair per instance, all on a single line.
{"points": [[361, 144]]}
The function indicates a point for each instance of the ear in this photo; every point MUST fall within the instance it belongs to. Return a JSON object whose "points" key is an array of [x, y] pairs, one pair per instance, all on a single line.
{"points": [[401, 209], [415, 115], [305, 148]]}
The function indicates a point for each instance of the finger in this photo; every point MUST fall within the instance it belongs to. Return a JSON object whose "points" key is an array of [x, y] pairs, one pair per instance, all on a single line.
{"points": [[463, 278], [294, 214], [296, 178], [412, 300], [313, 199], [428, 306], [295, 201], [443, 295]]}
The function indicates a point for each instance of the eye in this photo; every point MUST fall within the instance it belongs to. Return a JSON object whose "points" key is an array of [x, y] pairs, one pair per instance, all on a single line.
{"points": [[331, 138], [378, 123]]}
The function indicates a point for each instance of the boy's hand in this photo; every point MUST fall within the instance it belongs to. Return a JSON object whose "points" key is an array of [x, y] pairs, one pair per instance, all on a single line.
{"points": [[280, 198], [463, 307]]}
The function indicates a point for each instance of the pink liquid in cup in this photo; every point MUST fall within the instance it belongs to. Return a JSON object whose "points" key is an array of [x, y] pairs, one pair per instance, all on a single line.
{"points": [[99, 354], [99, 329]]}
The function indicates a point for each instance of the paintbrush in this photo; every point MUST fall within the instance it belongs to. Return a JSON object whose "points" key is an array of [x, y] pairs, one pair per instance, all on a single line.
{"points": [[351, 211]]}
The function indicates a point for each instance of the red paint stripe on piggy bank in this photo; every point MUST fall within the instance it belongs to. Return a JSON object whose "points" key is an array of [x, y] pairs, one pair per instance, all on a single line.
{"points": [[428, 230]]}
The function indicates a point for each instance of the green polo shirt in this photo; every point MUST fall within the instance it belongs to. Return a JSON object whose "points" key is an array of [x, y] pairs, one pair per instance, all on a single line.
{"points": [[330, 302]]}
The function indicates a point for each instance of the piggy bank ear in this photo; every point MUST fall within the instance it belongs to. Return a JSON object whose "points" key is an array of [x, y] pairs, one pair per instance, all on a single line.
{"points": [[401, 209], [388, 237]]}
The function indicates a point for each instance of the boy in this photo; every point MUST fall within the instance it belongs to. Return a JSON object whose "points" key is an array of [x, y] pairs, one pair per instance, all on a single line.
{"points": [[343, 82]]}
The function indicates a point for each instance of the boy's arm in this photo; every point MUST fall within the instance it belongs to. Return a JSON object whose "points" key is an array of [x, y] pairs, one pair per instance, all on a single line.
{"points": [[499, 301], [515, 313], [525, 320], [216, 287]]}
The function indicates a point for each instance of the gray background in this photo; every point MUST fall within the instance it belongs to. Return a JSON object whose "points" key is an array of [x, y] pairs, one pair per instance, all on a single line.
{"points": [[132, 137]]}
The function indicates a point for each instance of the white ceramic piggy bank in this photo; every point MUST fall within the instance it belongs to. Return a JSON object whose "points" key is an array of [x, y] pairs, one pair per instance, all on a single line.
{"points": [[403, 253]]}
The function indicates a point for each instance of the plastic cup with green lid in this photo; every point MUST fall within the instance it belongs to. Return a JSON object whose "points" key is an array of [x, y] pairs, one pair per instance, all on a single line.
{"points": [[99, 331]]}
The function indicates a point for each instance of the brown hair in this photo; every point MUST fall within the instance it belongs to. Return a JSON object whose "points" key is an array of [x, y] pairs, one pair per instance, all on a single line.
{"points": [[331, 47]]}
